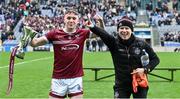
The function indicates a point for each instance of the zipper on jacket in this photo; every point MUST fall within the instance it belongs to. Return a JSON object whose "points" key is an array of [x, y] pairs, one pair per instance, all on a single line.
{"points": [[127, 50]]}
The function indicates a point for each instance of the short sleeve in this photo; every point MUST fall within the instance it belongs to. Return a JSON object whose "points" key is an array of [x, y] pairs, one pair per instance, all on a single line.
{"points": [[50, 35], [87, 33]]}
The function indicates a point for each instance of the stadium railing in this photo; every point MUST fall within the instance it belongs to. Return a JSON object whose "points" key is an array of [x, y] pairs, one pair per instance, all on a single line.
{"points": [[170, 69]]}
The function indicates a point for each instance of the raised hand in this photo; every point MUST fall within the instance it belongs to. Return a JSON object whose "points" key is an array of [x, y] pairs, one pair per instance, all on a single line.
{"points": [[89, 23], [99, 21]]}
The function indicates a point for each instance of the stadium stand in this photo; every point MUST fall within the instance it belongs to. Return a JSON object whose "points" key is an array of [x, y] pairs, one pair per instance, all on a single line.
{"points": [[42, 16]]}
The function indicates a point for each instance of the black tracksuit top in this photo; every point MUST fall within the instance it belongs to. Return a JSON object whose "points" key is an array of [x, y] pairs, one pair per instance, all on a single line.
{"points": [[126, 55]]}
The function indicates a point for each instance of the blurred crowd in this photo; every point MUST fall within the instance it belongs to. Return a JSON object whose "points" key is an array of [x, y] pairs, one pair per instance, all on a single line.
{"points": [[170, 36], [162, 14], [35, 18], [45, 15]]}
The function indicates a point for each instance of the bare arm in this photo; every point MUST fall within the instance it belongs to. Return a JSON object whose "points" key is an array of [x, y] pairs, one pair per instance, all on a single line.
{"points": [[38, 41]]}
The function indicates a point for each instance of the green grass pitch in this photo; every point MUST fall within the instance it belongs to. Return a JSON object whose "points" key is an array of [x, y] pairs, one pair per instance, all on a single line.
{"points": [[32, 76]]}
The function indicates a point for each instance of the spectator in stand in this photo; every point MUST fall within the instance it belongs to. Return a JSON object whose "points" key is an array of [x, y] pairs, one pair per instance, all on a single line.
{"points": [[94, 44], [177, 50], [162, 41], [1, 47], [178, 19], [4, 36], [175, 4], [100, 44], [88, 45]]}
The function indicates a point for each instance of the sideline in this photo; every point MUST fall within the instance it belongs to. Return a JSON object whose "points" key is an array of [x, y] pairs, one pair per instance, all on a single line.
{"points": [[27, 62]]}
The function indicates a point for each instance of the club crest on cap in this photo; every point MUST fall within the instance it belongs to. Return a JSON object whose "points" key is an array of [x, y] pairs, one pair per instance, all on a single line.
{"points": [[120, 24]]}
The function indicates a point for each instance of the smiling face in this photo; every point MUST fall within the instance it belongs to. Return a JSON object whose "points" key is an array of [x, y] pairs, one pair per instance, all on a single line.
{"points": [[71, 20], [124, 32]]}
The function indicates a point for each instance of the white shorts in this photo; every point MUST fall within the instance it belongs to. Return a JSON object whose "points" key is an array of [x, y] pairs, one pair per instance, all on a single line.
{"points": [[60, 88]]}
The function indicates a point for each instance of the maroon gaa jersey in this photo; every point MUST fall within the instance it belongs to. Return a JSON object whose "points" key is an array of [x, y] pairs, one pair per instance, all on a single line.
{"points": [[68, 52]]}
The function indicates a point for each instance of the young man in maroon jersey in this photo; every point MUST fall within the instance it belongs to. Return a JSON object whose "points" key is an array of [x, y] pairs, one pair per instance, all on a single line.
{"points": [[68, 44]]}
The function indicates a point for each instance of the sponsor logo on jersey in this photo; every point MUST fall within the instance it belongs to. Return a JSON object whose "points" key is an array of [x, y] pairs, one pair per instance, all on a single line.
{"points": [[70, 47]]}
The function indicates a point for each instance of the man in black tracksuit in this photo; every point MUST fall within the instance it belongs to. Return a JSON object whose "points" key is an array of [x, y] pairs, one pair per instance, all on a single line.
{"points": [[126, 51]]}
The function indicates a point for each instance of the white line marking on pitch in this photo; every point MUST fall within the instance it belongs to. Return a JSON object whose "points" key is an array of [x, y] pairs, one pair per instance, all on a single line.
{"points": [[27, 62]]}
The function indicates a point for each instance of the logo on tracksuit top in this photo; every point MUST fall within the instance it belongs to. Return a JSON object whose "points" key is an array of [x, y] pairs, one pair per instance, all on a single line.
{"points": [[137, 51]]}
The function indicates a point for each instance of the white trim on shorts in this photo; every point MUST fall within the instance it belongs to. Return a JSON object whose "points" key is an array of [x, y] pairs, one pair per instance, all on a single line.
{"points": [[64, 87]]}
